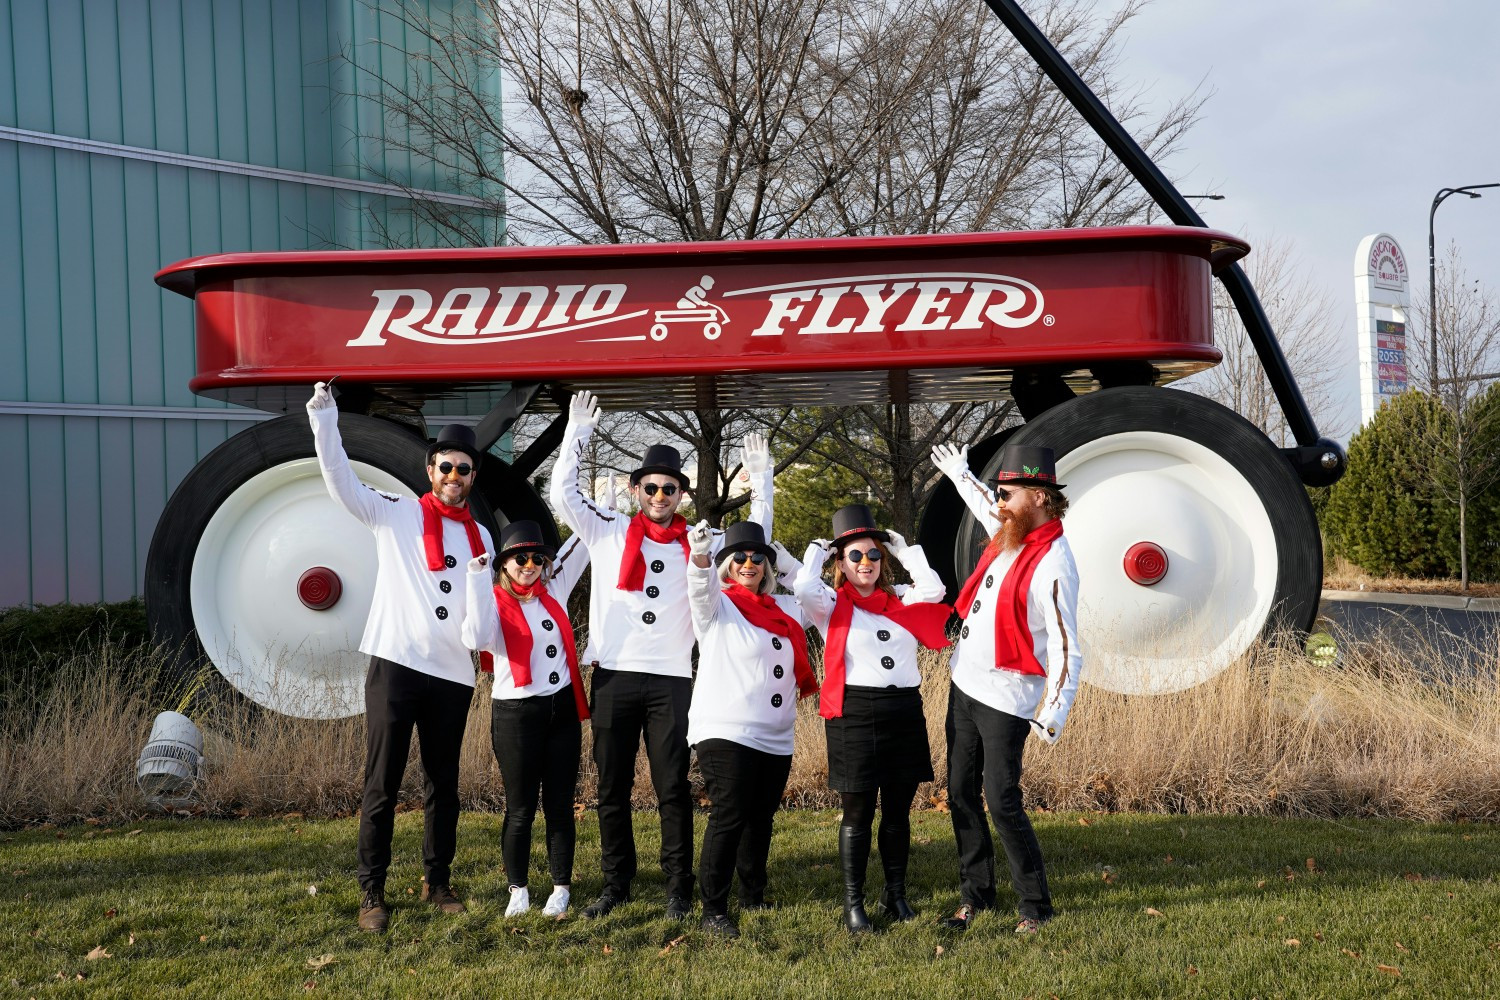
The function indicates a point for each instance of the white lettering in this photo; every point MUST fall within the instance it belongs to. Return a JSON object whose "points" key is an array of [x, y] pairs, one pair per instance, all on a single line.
{"points": [[468, 316], [386, 300], [1003, 313], [782, 309], [926, 311], [600, 300], [828, 300], [536, 295], [876, 306], [559, 313]]}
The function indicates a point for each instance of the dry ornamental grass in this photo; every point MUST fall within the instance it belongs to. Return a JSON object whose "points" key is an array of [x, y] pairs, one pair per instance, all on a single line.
{"points": [[1378, 732]]}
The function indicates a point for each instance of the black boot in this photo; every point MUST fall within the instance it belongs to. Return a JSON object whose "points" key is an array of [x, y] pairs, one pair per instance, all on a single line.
{"points": [[854, 855], [895, 849]]}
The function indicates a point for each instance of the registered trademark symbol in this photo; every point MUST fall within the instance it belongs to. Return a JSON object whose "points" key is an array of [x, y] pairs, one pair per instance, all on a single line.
{"points": [[1048, 320]]}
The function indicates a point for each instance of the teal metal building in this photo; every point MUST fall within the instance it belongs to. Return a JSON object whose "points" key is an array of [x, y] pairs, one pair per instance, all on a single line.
{"points": [[135, 133]]}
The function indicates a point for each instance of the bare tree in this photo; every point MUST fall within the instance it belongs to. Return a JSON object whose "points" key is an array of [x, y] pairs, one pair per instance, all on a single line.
{"points": [[1303, 318], [1461, 444]]}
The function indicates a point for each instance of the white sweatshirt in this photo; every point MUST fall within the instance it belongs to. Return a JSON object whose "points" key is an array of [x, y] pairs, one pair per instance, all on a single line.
{"points": [[877, 652], [648, 630], [1051, 616], [416, 613], [549, 658], [746, 690]]}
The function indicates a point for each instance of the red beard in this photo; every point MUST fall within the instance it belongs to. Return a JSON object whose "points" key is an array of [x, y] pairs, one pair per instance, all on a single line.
{"points": [[1008, 538]]}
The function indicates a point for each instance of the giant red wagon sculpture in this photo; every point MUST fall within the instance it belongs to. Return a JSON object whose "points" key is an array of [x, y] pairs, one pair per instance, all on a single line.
{"points": [[1192, 531]]}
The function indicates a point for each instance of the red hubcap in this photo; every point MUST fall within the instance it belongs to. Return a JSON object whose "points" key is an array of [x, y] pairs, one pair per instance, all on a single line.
{"points": [[1145, 563], [319, 588]]}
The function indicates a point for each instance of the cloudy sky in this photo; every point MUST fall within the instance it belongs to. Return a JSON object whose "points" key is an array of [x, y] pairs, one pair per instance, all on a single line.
{"points": [[1333, 119]]}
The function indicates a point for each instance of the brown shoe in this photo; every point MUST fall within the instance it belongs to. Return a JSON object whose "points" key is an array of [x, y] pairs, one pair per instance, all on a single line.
{"points": [[374, 915], [443, 898]]}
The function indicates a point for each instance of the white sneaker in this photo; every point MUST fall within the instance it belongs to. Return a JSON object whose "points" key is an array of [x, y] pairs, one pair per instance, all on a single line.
{"points": [[557, 903], [520, 901]]}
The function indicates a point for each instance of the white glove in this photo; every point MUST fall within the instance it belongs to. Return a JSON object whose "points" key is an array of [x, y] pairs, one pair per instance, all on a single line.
{"points": [[896, 544], [755, 454], [700, 539], [583, 409], [951, 462], [824, 547], [1048, 730], [786, 563], [479, 562], [322, 398]]}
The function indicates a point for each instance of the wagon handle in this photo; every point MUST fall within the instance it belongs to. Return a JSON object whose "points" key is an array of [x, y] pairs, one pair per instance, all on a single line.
{"points": [[1318, 460]]}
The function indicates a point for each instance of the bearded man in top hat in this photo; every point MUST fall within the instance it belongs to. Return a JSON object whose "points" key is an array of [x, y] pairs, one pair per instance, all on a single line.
{"points": [[640, 645], [1018, 651], [421, 674]]}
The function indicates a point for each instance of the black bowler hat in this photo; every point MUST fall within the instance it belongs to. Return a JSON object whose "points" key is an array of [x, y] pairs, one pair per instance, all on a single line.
{"points": [[1027, 465], [523, 536], [456, 437], [744, 535], [665, 459], [855, 521]]}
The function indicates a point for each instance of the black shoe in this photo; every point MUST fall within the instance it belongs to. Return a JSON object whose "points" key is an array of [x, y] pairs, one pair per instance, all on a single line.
{"points": [[961, 919], [374, 914], [893, 901], [720, 924], [854, 856], [604, 904], [678, 907]]}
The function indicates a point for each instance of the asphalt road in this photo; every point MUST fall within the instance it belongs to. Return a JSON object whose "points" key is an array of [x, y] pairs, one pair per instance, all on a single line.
{"points": [[1428, 632]]}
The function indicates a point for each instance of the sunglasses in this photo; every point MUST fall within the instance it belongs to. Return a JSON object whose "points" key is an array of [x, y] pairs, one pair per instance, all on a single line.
{"points": [[858, 556], [740, 558], [530, 559], [651, 489], [1005, 494], [464, 468]]}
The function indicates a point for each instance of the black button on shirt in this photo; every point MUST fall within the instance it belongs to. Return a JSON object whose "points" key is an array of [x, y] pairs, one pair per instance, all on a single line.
{"points": [[963, 633], [657, 565], [649, 617], [442, 614], [551, 651], [888, 663], [653, 592], [445, 586], [554, 677], [883, 635], [778, 672], [449, 561], [775, 701], [547, 624]]}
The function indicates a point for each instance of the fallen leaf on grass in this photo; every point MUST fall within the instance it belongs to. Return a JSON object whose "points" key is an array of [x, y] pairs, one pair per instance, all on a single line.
{"points": [[1389, 970], [1109, 876], [1170, 859], [1152, 911], [202, 937], [1402, 947], [1351, 954], [1412, 877], [320, 962], [111, 912], [672, 944], [312, 890], [1084, 821], [1192, 970], [97, 954], [1317, 935], [938, 951], [135, 832], [1292, 943], [1312, 865], [1260, 884], [608, 950], [309, 985], [132, 939]]}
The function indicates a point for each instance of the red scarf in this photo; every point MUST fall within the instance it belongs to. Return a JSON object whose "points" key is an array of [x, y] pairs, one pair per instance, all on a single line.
{"points": [[632, 563], [926, 621], [516, 631], [762, 611], [433, 512], [1013, 649]]}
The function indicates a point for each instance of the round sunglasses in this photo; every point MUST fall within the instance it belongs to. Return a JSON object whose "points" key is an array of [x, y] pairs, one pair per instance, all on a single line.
{"points": [[666, 490], [464, 468], [523, 559], [857, 556], [740, 558]]}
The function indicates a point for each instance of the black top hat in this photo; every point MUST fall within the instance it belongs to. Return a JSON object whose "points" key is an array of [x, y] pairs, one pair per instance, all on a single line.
{"points": [[855, 521], [456, 437], [665, 459], [523, 536], [1027, 465], [743, 535]]}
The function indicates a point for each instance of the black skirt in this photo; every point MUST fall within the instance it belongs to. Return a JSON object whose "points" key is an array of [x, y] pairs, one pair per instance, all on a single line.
{"points": [[880, 739]]}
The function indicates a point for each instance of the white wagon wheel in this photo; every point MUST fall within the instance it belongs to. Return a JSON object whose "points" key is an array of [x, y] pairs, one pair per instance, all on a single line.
{"points": [[254, 562], [1192, 533]]}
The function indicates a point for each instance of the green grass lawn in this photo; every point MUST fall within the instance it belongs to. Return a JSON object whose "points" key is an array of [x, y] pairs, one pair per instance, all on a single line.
{"points": [[1242, 907]]}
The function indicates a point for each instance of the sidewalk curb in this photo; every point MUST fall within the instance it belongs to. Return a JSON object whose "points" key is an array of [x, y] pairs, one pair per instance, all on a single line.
{"points": [[1449, 601]]}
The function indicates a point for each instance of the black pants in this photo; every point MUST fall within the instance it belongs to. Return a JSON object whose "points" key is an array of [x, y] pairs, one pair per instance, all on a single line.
{"points": [[745, 787], [396, 700], [627, 704], [536, 743], [984, 753]]}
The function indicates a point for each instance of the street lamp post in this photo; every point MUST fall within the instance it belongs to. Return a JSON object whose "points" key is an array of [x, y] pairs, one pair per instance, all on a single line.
{"points": [[1472, 190]]}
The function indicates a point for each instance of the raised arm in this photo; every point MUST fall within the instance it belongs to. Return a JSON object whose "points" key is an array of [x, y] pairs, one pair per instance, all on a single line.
{"points": [[576, 507], [567, 569], [344, 486], [481, 628], [926, 586], [815, 596], [755, 458], [1059, 602], [702, 579], [954, 463]]}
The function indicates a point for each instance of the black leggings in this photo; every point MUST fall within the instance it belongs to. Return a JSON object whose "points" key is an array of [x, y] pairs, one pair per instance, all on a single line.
{"points": [[895, 819], [536, 743]]}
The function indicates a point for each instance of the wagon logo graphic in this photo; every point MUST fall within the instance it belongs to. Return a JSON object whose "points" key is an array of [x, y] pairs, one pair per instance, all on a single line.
{"points": [[827, 306]]}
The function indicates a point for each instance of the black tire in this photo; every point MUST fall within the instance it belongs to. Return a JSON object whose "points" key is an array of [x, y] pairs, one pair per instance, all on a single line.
{"points": [[213, 481], [1096, 418], [511, 497]]}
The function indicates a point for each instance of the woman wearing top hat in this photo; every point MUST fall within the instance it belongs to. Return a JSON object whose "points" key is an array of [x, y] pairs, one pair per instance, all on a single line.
{"points": [[537, 700], [871, 695], [752, 668]]}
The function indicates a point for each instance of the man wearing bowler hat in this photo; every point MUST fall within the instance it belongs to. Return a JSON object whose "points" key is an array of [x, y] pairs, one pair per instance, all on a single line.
{"points": [[640, 645], [1017, 652], [421, 675]]}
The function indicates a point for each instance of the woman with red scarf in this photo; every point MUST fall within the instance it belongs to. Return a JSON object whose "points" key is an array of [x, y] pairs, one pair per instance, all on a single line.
{"points": [[752, 668], [520, 617], [871, 696]]}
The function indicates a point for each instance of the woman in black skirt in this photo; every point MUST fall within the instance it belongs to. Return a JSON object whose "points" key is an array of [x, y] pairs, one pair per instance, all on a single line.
{"points": [[537, 701], [871, 695]]}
